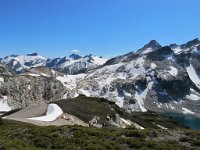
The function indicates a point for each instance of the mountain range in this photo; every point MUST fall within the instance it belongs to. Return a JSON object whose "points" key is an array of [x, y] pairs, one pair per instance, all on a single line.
{"points": [[153, 78]]}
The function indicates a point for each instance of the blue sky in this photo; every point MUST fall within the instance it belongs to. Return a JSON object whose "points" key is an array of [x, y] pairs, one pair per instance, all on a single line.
{"points": [[104, 27]]}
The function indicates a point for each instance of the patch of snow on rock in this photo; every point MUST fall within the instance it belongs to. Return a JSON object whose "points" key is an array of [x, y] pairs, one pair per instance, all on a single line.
{"points": [[187, 111], [34, 75], [192, 97], [162, 127], [173, 71], [4, 105], [138, 126], [140, 96], [84, 92], [193, 75]]}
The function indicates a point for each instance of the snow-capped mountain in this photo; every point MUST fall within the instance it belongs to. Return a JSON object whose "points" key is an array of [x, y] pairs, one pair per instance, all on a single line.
{"points": [[156, 78], [75, 64], [24, 62], [71, 65]]}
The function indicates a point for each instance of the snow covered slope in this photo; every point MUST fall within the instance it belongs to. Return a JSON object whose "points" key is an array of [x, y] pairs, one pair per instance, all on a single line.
{"points": [[23, 62]]}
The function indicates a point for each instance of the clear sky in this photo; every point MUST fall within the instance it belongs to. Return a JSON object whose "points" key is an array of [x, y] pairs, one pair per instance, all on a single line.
{"points": [[104, 27]]}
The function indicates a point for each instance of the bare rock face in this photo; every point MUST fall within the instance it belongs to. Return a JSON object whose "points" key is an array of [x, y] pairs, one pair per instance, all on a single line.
{"points": [[4, 70], [23, 91]]}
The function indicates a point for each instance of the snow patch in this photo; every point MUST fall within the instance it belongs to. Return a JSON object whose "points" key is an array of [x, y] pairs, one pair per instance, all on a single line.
{"points": [[4, 107], [192, 97], [84, 92], [173, 71], [99, 61], [140, 96], [34, 75], [162, 127], [1, 80], [138, 126], [53, 112], [193, 75], [153, 66], [65, 96], [177, 50], [187, 111], [148, 50]]}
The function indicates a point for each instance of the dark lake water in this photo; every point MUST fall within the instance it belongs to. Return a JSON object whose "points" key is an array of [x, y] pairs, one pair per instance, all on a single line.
{"points": [[190, 121]]}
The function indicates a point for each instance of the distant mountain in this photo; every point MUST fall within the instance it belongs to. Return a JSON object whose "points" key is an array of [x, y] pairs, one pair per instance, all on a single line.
{"points": [[75, 64], [24, 62], [70, 65]]}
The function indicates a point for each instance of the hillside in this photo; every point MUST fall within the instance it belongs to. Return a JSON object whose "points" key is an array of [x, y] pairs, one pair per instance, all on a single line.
{"points": [[16, 135]]}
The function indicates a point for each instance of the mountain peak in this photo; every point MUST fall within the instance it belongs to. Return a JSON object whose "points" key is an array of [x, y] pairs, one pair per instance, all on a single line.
{"points": [[191, 43], [75, 56], [194, 41], [151, 46]]}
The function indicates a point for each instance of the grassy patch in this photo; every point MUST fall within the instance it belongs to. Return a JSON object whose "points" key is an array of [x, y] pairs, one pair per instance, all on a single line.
{"points": [[86, 108]]}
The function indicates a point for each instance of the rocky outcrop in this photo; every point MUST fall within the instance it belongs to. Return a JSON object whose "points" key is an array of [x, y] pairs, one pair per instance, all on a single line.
{"points": [[23, 91]]}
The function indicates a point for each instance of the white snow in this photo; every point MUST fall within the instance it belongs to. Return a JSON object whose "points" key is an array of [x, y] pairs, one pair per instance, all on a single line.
{"points": [[177, 50], [84, 92], [173, 71], [69, 81], [137, 71], [33, 74], [4, 107], [153, 66], [53, 112], [138, 126], [172, 107], [76, 95], [98, 60], [65, 96], [162, 127], [159, 105], [192, 97], [1, 80], [89, 61], [120, 101], [53, 71], [193, 75], [140, 96], [187, 111], [147, 50], [127, 94], [43, 74], [127, 122]]}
